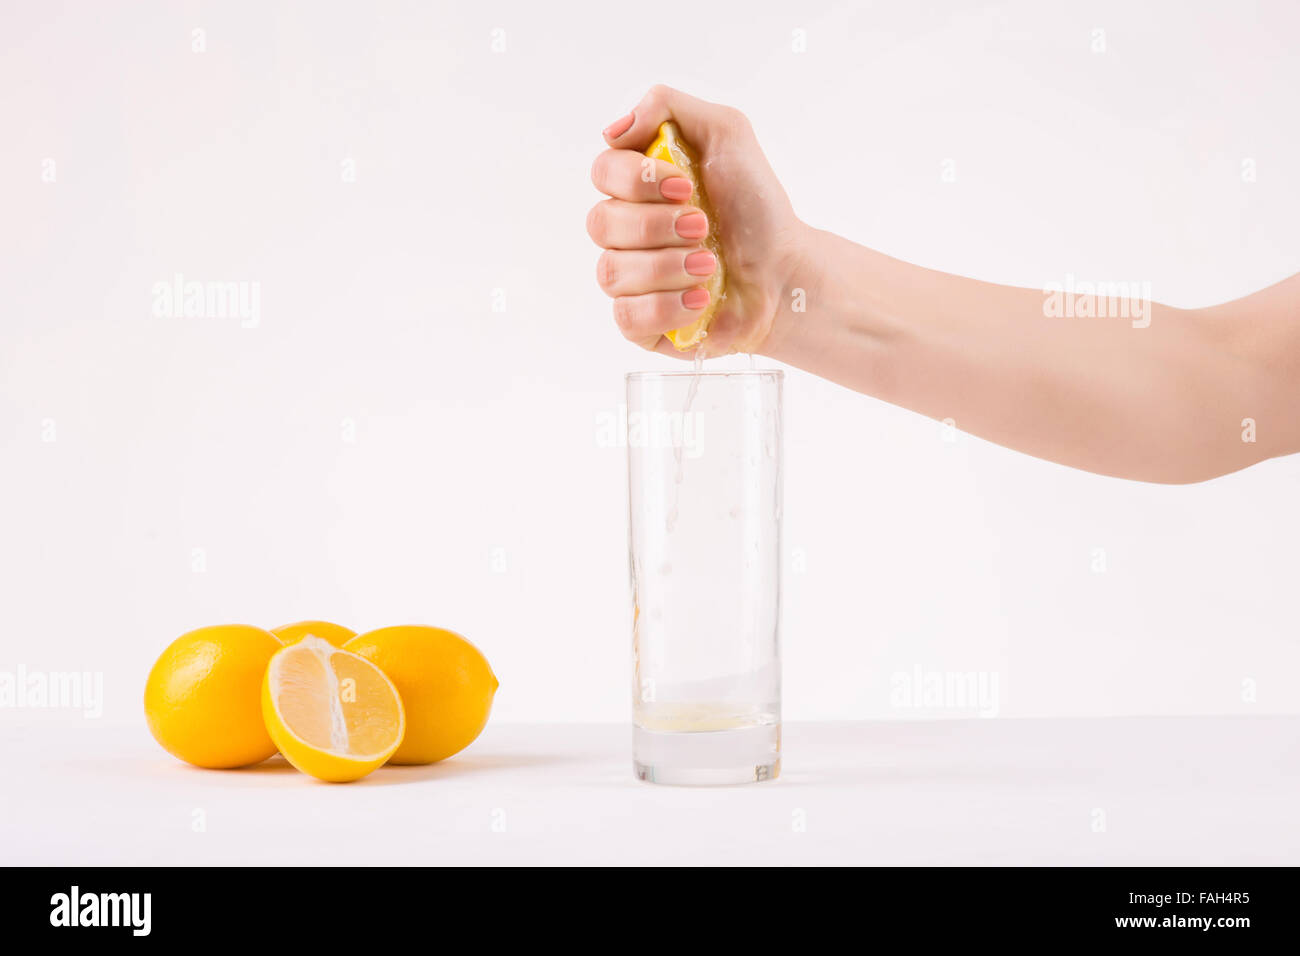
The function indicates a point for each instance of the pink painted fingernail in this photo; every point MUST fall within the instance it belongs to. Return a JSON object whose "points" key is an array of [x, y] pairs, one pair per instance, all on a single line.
{"points": [[695, 299], [694, 225], [620, 126], [701, 263], [676, 188]]}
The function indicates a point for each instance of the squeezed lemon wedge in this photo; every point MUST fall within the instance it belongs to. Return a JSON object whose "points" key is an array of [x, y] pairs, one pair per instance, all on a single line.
{"points": [[672, 148]]}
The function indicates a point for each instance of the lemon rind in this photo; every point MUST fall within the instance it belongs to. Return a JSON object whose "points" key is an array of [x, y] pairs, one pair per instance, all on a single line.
{"points": [[271, 677]]}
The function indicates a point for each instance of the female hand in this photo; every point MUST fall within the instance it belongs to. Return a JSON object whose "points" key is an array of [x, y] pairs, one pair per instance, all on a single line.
{"points": [[654, 263]]}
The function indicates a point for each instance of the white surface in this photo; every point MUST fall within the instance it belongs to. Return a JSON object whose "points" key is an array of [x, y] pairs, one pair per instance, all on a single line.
{"points": [[477, 491], [1169, 791]]}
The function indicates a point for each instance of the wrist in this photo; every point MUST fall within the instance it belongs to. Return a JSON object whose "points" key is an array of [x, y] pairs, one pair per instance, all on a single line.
{"points": [[840, 315], [800, 283]]}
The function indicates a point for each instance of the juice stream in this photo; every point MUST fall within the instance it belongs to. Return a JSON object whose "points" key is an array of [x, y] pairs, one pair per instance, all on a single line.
{"points": [[680, 443]]}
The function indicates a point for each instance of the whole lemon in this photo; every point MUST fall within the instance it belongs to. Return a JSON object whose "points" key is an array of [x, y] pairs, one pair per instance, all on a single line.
{"points": [[445, 684], [203, 699], [336, 634]]}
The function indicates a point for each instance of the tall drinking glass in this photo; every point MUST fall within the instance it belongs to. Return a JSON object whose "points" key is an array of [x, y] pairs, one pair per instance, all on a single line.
{"points": [[704, 477]]}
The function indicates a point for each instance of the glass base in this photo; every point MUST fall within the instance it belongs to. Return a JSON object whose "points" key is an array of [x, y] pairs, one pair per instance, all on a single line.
{"points": [[707, 758]]}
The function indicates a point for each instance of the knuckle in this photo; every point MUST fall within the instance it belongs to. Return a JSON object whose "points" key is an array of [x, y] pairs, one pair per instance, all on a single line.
{"points": [[625, 315], [596, 222], [647, 231], [600, 170], [673, 267], [606, 270], [734, 121]]}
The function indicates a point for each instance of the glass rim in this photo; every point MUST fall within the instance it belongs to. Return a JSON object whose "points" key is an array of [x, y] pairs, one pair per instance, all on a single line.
{"points": [[738, 373]]}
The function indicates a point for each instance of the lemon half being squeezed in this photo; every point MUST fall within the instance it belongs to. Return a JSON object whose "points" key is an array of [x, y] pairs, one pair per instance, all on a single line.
{"points": [[672, 148]]}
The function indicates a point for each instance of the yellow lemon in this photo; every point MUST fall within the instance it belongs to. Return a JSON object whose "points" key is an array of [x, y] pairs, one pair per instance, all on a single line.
{"points": [[446, 686], [333, 715], [336, 634], [202, 698], [672, 148]]}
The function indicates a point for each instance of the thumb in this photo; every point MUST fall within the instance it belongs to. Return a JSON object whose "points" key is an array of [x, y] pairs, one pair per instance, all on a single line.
{"points": [[701, 122]]}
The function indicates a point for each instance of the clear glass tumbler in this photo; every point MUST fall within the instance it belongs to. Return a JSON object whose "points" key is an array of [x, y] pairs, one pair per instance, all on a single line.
{"points": [[704, 479]]}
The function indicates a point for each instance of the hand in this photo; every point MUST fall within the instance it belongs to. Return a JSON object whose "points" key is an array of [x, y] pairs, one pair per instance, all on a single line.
{"points": [[653, 264]]}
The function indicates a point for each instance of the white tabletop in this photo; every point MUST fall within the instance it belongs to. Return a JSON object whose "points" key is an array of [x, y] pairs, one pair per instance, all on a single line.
{"points": [[1205, 790]]}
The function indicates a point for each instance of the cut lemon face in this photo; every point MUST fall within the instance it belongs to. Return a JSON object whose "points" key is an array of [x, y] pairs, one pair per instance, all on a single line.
{"points": [[671, 148], [333, 715]]}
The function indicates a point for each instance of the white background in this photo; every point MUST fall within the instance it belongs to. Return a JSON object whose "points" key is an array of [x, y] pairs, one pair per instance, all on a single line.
{"points": [[476, 430]]}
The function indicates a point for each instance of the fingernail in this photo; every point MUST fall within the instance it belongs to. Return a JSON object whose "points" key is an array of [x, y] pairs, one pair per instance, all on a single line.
{"points": [[617, 128], [676, 188], [694, 225], [695, 298], [701, 263]]}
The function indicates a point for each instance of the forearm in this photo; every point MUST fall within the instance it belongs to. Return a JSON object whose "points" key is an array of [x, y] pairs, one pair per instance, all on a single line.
{"points": [[1160, 396]]}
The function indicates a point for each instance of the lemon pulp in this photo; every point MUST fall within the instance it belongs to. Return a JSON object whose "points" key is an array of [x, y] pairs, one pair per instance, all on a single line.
{"points": [[333, 715]]}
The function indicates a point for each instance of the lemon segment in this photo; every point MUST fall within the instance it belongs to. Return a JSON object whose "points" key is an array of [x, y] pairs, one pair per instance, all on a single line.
{"points": [[672, 148], [336, 634], [333, 715], [445, 683], [202, 697]]}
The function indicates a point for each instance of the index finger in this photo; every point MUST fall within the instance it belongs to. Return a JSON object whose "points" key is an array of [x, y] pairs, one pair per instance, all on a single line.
{"points": [[625, 174], [663, 103]]}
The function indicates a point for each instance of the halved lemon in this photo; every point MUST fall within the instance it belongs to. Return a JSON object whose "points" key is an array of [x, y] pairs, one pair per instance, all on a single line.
{"points": [[672, 148], [334, 715]]}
